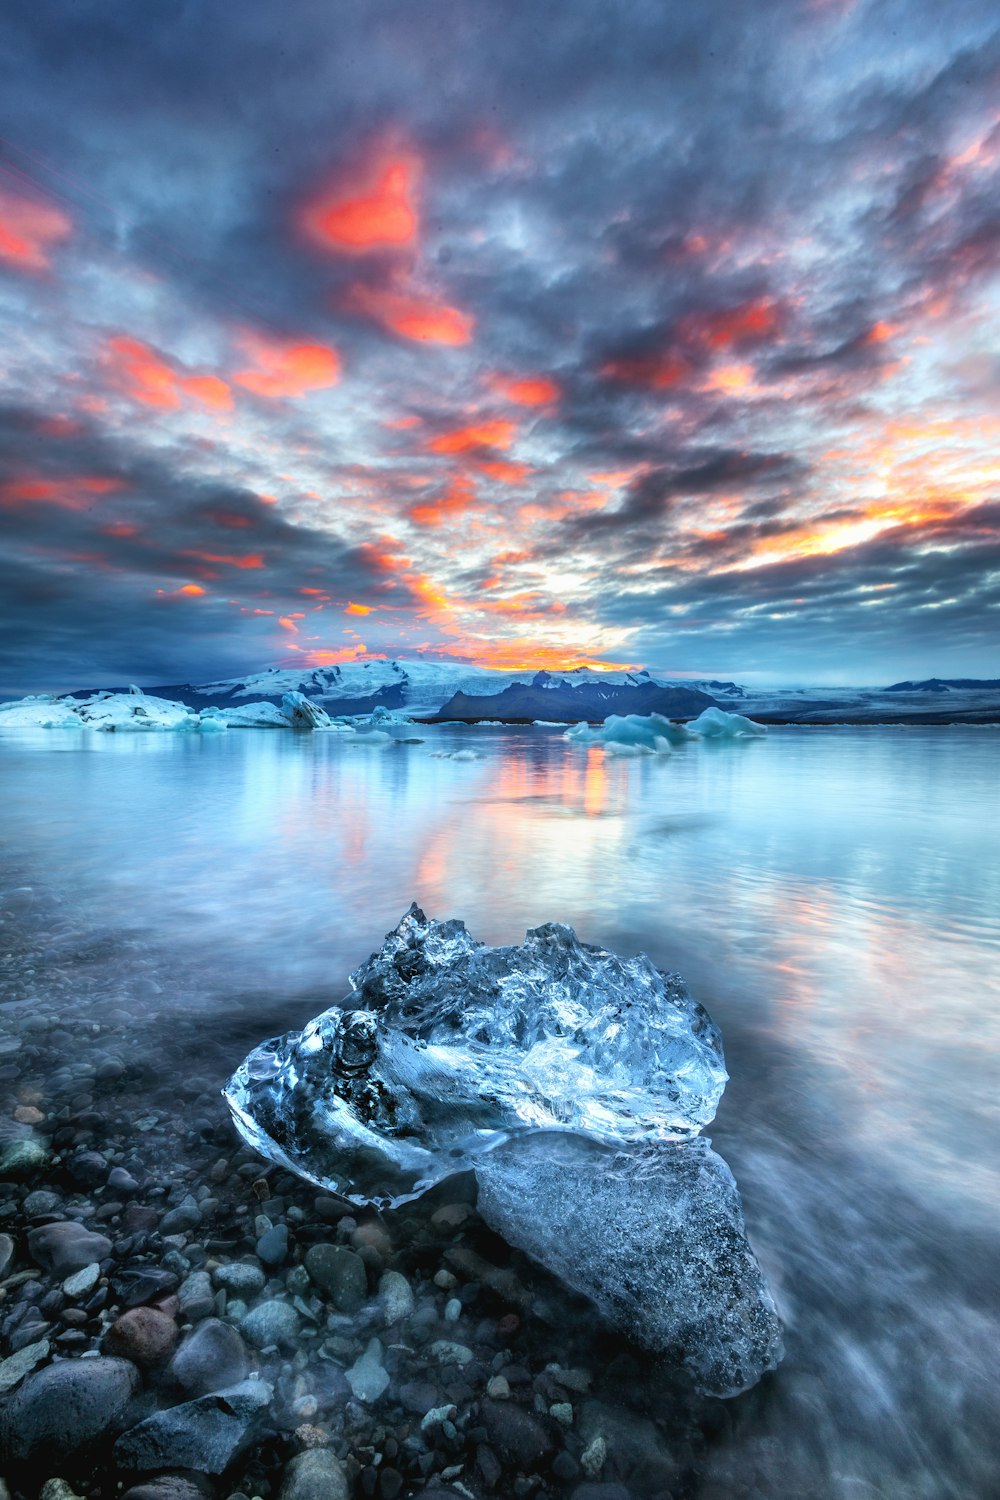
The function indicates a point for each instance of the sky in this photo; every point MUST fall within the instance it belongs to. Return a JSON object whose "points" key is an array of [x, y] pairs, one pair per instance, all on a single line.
{"points": [[529, 334]]}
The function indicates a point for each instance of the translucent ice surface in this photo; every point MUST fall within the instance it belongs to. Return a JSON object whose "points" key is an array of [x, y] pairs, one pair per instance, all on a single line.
{"points": [[657, 1242], [447, 1047], [717, 724], [632, 734]]}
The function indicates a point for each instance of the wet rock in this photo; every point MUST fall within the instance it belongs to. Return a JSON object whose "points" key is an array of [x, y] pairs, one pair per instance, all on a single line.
{"points": [[57, 1489], [122, 1181], [518, 1436], [19, 1158], [395, 1297], [316, 1474], [65, 1407], [340, 1273], [41, 1201], [211, 1358], [181, 1220], [144, 1335], [81, 1283], [196, 1296], [7, 1249], [272, 1247], [88, 1169], [14, 1369], [601, 1492], [205, 1434], [137, 1285], [65, 1247], [170, 1487], [368, 1377], [241, 1277], [270, 1323]]}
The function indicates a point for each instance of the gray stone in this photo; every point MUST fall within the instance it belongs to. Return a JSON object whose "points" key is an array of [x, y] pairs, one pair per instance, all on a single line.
{"points": [[82, 1282], [340, 1273], [316, 1474], [211, 1358], [196, 1296], [19, 1158], [7, 1248], [122, 1181], [270, 1323], [205, 1434], [240, 1276], [66, 1247], [395, 1297], [64, 1407], [368, 1377], [41, 1201], [181, 1220], [14, 1369], [57, 1489], [516, 1434], [170, 1487], [272, 1247]]}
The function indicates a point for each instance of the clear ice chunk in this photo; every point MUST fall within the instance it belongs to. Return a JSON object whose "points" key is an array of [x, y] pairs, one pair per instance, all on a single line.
{"points": [[446, 1048], [654, 1237]]}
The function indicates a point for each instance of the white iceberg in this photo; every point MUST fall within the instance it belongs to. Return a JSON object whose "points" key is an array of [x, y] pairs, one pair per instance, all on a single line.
{"points": [[248, 716], [41, 711], [133, 712], [717, 724], [632, 734]]}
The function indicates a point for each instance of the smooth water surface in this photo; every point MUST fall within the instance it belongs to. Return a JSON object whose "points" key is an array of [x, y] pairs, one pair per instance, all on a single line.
{"points": [[832, 895]]}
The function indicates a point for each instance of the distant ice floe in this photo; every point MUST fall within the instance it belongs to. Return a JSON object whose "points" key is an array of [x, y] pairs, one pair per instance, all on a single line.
{"points": [[456, 755], [653, 734]]}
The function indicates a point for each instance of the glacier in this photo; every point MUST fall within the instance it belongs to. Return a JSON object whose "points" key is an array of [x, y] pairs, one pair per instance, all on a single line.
{"points": [[575, 1082]]}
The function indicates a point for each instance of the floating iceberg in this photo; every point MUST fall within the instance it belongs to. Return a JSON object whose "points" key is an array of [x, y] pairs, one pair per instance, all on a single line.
{"points": [[717, 724], [248, 716], [575, 1082], [448, 1047], [133, 712], [632, 734]]}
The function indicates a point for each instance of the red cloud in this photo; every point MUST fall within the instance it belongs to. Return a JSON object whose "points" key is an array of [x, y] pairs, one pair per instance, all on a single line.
{"points": [[454, 501], [496, 434], [28, 231], [76, 493], [748, 323], [658, 371], [411, 315], [288, 369], [146, 377], [529, 390], [377, 214]]}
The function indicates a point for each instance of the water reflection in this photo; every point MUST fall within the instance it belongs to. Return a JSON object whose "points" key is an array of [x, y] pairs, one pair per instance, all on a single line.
{"points": [[834, 897]]}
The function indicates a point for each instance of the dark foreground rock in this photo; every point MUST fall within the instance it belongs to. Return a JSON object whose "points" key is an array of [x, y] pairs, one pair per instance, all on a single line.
{"points": [[64, 1408], [204, 1434]]}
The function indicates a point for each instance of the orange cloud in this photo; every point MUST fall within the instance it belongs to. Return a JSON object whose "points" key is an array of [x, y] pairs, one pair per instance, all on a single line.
{"points": [[75, 493], [29, 230], [251, 560], [497, 434], [284, 370], [504, 471], [749, 322], [411, 315], [529, 390], [146, 377], [377, 214], [357, 609], [453, 501]]}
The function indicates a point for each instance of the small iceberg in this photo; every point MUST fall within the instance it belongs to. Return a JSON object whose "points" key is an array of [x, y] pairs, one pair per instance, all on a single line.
{"points": [[575, 1083], [717, 724]]}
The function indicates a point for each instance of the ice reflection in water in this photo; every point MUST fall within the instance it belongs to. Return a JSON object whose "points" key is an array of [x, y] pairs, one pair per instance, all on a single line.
{"points": [[832, 896]]}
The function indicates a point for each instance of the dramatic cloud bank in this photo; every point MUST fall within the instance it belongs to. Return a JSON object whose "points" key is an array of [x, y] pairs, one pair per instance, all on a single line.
{"points": [[634, 333]]}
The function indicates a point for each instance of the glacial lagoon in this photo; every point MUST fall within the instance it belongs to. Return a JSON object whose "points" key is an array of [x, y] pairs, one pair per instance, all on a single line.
{"points": [[832, 896]]}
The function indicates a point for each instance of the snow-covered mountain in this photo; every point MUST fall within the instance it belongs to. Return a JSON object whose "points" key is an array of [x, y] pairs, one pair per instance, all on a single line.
{"points": [[419, 686]]}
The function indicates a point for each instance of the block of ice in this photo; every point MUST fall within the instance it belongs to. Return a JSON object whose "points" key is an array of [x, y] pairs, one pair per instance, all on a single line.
{"points": [[657, 1242], [448, 1047], [631, 734], [248, 716], [717, 724]]}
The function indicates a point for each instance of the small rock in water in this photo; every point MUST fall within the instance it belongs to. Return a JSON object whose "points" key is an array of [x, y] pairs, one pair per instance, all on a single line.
{"points": [[82, 1282], [64, 1407], [272, 1247], [122, 1181], [137, 1285], [395, 1297], [145, 1335], [240, 1276], [517, 1435], [180, 1220], [368, 1377], [7, 1249], [211, 1357], [316, 1474], [205, 1434], [170, 1487], [19, 1158], [196, 1296], [340, 1273], [14, 1369], [66, 1247], [270, 1323]]}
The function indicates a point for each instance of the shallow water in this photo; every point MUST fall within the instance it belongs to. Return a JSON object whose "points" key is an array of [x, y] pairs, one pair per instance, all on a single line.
{"points": [[832, 895]]}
